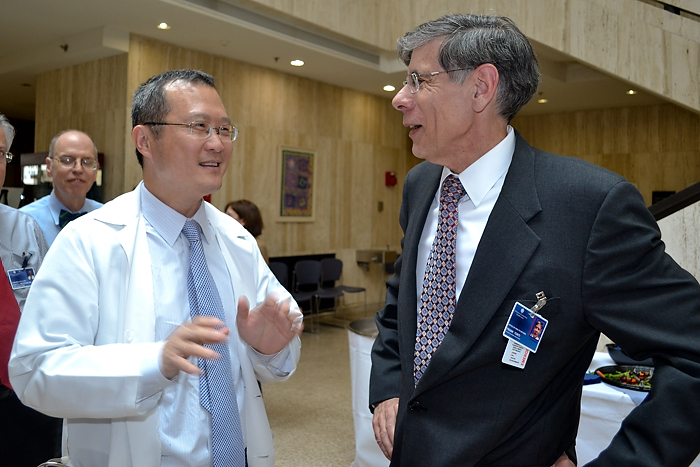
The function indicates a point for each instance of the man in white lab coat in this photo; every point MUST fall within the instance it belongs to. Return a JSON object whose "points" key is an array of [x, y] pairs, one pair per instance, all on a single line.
{"points": [[106, 340]]}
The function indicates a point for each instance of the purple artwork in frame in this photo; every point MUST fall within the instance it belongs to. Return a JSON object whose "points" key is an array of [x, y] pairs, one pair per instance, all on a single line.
{"points": [[297, 184]]}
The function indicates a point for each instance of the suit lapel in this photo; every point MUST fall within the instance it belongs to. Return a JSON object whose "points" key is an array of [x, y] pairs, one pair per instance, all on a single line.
{"points": [[506, 246]]}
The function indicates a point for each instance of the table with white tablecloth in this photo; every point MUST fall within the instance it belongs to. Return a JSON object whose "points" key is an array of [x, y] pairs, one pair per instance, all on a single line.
{"points": [[603, 407]]}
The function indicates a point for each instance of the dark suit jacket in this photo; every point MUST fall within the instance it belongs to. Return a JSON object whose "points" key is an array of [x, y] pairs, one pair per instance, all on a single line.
{"points": [[584, 236]]}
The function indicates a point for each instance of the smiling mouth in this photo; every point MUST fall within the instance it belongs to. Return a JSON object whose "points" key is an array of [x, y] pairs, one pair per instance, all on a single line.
{"points": [[210, 164]]}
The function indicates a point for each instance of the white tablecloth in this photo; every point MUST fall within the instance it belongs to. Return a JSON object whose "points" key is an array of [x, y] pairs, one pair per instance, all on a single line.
{"points": [[603, 407], [367, 453]]}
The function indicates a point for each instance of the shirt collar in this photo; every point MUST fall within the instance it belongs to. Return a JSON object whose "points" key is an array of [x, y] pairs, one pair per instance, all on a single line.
{"points": [[55, 206], [483, 174], [167, 221]]}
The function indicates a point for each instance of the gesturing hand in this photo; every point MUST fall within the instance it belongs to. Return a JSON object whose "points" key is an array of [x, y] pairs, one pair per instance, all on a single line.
{"points": [[270, 326], [186, 341]]}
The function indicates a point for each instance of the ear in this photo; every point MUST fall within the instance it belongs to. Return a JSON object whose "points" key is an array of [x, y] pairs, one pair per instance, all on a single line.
{"points": [[142, 140], [485, 87], [48, 167]]}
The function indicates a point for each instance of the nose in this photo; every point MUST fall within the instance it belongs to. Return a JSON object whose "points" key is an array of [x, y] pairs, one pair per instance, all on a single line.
{"points": [[403, 100], [214, 141], [78, 166]]}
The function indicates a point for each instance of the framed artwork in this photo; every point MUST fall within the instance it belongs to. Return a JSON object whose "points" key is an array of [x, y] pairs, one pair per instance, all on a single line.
{"points": [[297, 185]]}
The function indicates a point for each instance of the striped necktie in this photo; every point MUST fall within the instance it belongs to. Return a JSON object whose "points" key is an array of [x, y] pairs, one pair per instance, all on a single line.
{"points": [[216, 388], [64, 217]]}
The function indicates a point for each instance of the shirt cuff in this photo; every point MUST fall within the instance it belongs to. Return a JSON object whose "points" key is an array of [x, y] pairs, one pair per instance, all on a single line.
{"points": [[152, 382], [280, 364]]}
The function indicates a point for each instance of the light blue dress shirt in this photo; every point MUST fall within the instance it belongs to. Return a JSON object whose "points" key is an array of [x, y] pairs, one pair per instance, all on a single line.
{"points": [[46, 210], [185, 427]]}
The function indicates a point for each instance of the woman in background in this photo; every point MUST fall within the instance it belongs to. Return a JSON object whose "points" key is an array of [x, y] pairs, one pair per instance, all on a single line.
{"points": [[248, 215]]}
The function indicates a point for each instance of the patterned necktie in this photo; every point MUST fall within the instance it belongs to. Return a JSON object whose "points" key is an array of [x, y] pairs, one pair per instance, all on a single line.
{"points": [[216, 388], [66, 216], [9, 319], [439, 295]]}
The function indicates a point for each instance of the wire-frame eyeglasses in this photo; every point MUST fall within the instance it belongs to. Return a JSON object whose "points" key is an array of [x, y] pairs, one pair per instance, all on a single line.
{"points": [[204, 130], [414, 79]]}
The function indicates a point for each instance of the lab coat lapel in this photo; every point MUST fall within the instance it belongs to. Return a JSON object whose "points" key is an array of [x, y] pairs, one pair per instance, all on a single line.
{"points": [[506, 246]]}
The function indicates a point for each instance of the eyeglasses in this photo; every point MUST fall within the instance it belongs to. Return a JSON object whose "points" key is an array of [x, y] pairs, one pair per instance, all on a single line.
{"points": [[414, 79], [68, 162], [6, 155], [203, 130]]}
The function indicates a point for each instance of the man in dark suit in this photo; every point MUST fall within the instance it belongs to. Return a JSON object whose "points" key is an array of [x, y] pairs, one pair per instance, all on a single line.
{"points": [[489, 222]]}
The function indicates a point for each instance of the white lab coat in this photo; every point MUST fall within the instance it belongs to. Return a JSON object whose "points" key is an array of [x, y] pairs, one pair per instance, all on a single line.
{"points": [[89, 326]]}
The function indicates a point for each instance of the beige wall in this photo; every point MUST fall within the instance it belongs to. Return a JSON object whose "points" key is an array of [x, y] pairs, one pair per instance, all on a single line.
{"points": [[87, 97], [654, 147], [634, 41]]}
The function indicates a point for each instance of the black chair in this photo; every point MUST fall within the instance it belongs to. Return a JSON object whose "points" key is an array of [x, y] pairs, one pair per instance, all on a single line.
{"points": [[280, 271], [307, 280], [332, 270]]}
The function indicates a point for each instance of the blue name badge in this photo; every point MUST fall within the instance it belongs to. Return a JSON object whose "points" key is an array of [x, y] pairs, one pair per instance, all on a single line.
{"points": [[21, 278], [525, 327]]}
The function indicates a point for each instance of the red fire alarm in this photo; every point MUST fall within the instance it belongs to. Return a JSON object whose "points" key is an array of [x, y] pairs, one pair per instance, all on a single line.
{"points": [[390, 179]]}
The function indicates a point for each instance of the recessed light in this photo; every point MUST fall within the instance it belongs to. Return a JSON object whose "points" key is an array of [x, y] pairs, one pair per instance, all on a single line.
{"points": [[297, 63], [631, 92], [163, 26], [542, 101], [389, 88]]}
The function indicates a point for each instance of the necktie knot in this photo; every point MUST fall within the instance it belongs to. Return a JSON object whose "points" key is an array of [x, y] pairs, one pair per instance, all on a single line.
{"points": [[64, 217], [191, 231], [452, 190]]}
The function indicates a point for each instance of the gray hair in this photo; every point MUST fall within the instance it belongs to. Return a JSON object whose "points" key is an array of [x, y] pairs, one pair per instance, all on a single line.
{"points": [[8, 129], [469, 41], [61, 133], [150, 103]]}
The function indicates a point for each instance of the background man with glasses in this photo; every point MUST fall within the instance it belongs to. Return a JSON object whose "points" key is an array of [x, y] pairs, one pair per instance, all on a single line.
{"points": [[27, 437], [72, 163], [490, 221], [156, 360]]}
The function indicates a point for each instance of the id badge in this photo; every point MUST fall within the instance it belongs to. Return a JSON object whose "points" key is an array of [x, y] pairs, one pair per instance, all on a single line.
{"points": [[21, 278], [525, 327], [524, 331]]}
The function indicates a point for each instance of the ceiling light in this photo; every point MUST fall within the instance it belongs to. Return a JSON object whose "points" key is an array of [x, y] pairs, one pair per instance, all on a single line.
{"points": [[389, 88], [542, 101], [297, 63], [163, 26], [631, 92]]}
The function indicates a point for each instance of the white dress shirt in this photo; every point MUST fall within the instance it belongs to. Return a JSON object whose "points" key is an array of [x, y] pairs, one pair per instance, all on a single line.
{"points": [[482, 181]]}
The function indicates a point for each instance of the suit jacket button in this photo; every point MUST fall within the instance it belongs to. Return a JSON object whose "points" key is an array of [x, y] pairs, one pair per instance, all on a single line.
{"points": [[414, 406]]}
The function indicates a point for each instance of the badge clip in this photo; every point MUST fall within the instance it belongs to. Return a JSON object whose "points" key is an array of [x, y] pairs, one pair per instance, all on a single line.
{"points": [[541, 301]]}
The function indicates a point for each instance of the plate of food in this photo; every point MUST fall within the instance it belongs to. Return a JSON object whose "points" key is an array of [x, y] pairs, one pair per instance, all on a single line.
{"points": [[635, 377]]}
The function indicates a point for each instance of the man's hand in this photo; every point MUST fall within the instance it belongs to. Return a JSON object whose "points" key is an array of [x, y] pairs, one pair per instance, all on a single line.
{"points": [[384, 423], [270, 326], [564, 461], [186, 341]]}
